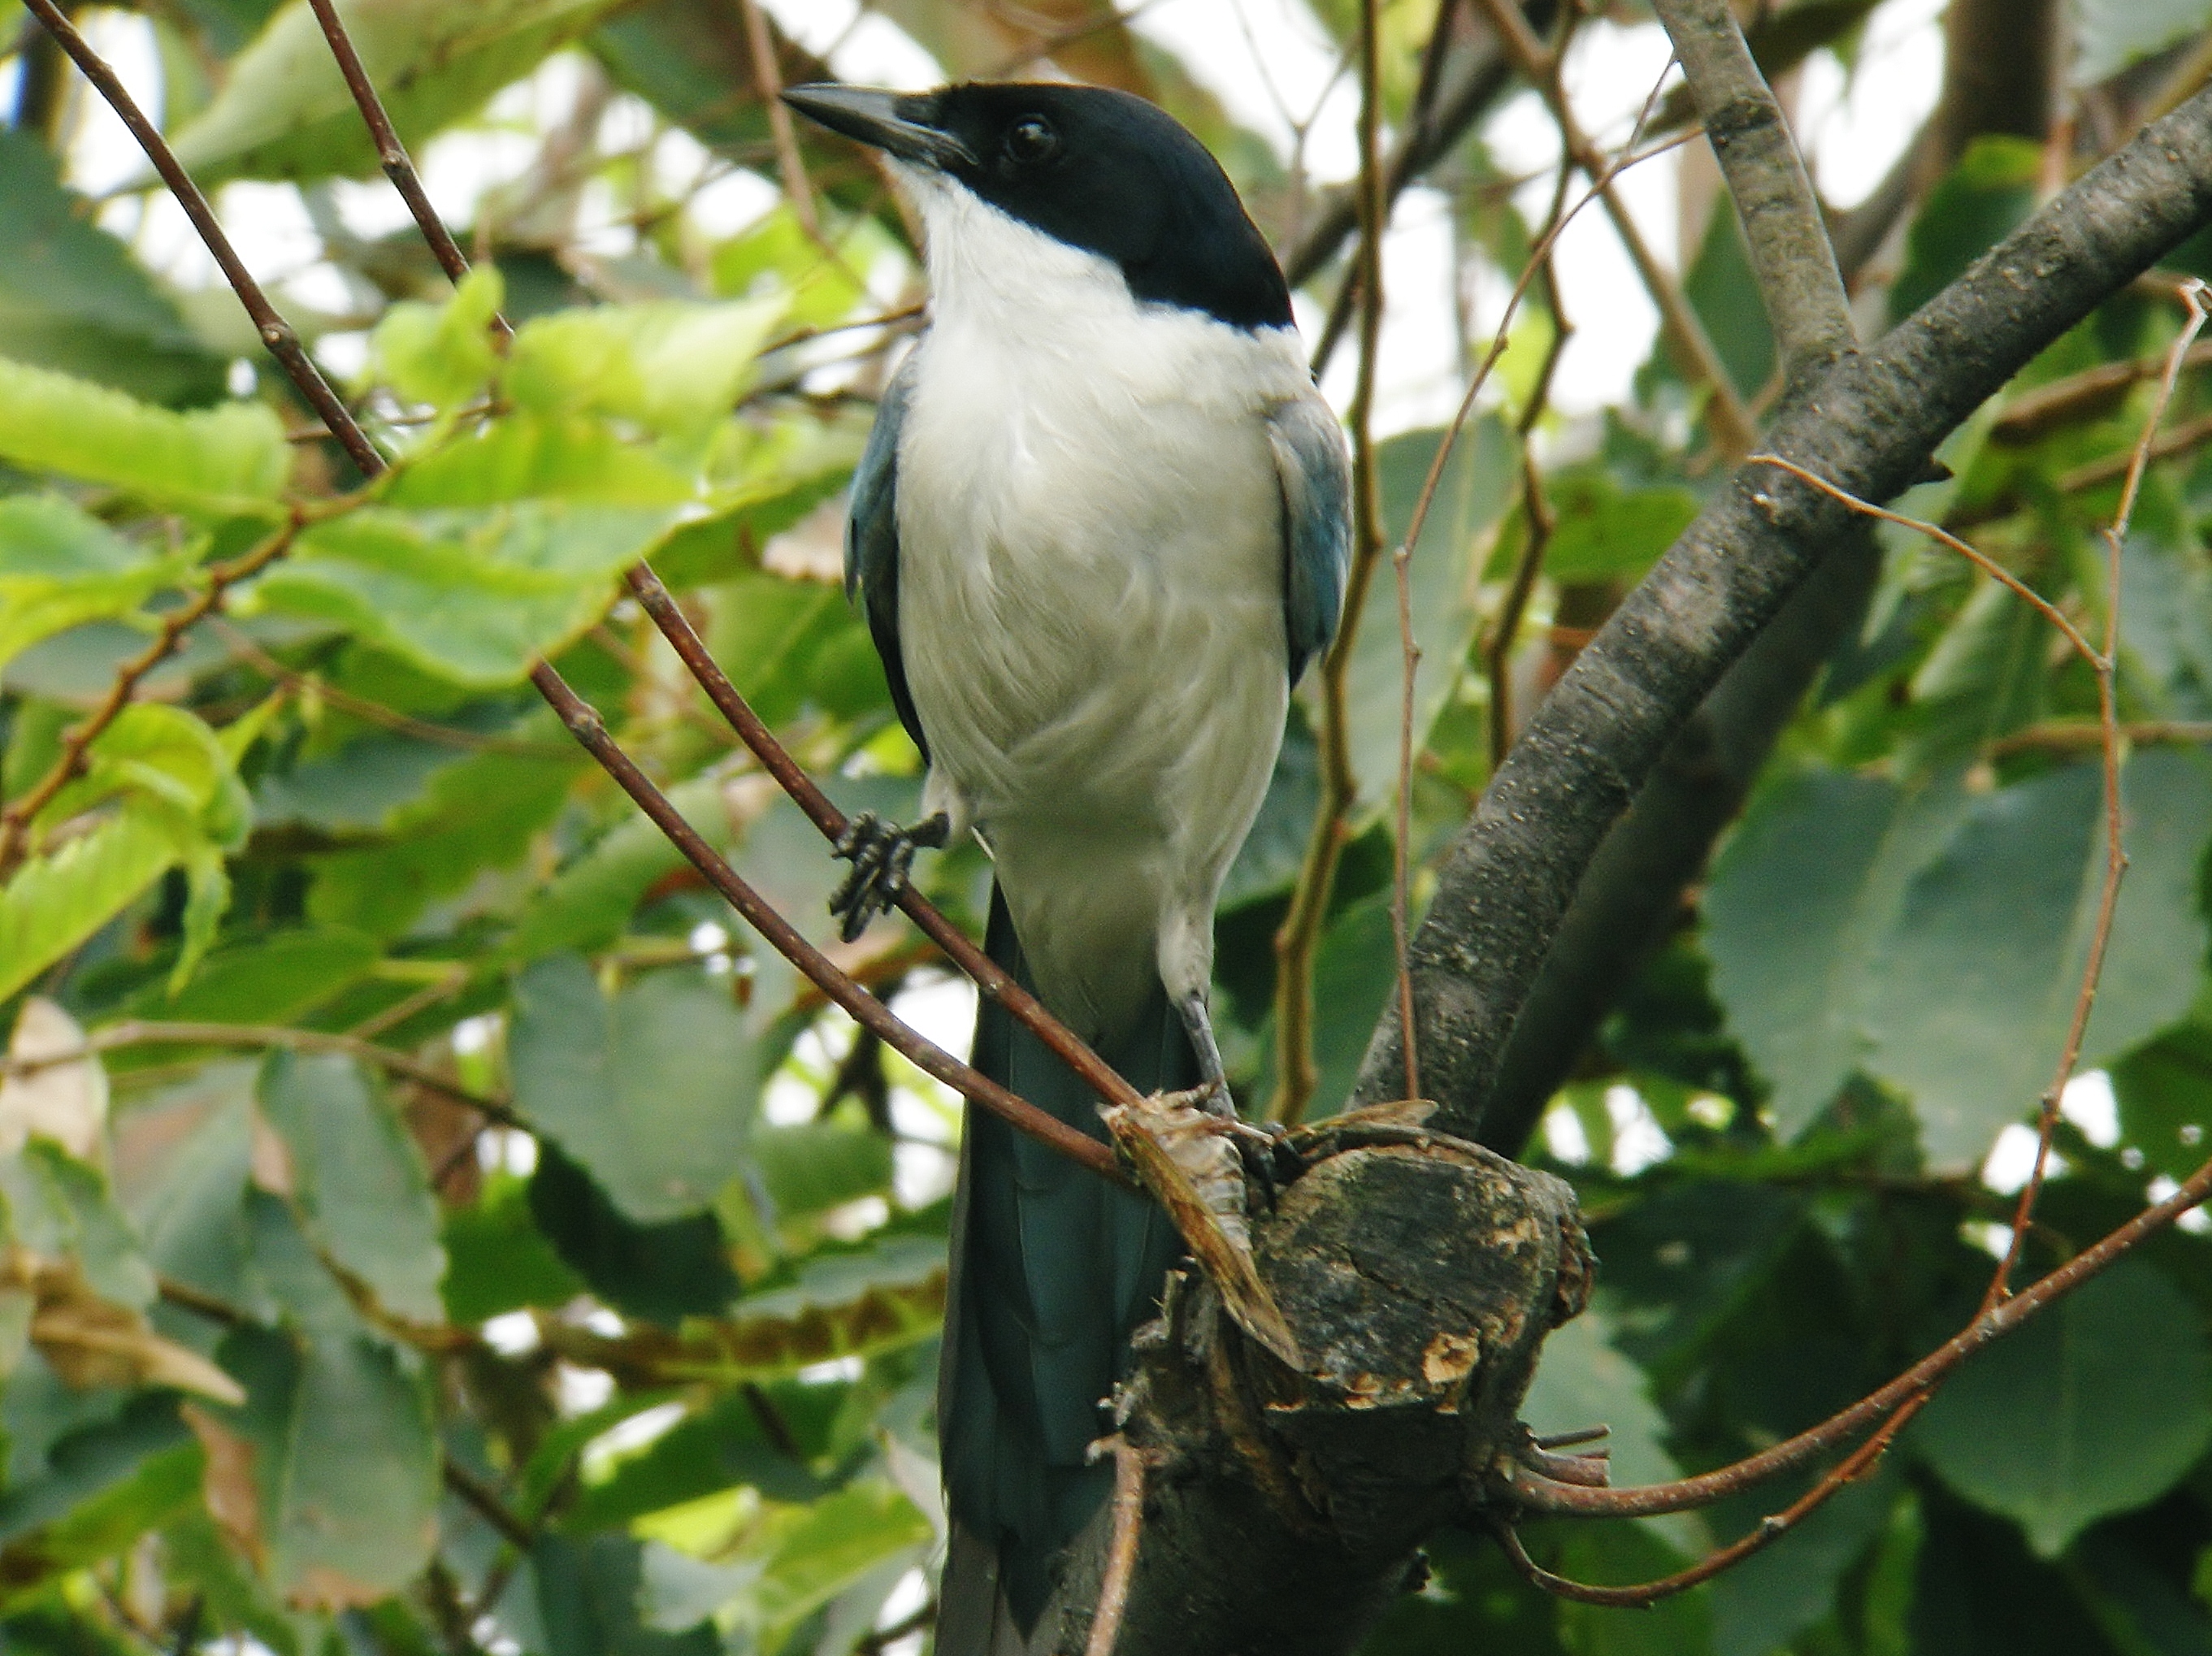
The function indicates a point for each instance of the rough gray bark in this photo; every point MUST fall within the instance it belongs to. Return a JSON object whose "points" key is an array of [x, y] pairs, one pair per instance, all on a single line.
{"points": [[1283, 1511]]}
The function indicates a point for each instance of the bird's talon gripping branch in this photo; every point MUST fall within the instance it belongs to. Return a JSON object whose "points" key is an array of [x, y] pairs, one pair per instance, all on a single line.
{"points": [[882, 855]]}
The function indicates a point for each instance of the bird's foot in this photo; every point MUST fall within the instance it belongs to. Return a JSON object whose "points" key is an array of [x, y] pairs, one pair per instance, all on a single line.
{"points": [[882, 855], [1213, 1090]]}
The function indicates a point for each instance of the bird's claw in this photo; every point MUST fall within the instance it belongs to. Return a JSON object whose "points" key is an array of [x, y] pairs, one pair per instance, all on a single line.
{"points": [[882, 855]]}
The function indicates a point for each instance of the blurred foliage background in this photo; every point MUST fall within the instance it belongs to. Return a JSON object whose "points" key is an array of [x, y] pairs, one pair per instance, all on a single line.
{"points": [[430, 1228]]}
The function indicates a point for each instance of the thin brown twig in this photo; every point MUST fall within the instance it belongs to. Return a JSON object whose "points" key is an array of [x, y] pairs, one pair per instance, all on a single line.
{"points": [[1533, 1494], [392, 154], [1538, 258], [280, 337], [1297, 939], [1129, 1463], [2065, 736], [767, 81], [155, 1032], [484, 1501], [1981, 560], [2106, 667], [584, 723], [1401, 560], [15, 820]]}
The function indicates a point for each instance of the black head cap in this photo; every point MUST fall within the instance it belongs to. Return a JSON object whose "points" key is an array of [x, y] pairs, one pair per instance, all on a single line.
{"points": [[1098, 169]]}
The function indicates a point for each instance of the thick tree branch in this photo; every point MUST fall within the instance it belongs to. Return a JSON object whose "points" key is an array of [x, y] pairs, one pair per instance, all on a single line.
{"points": [[1789, 253], [1870, 426]]}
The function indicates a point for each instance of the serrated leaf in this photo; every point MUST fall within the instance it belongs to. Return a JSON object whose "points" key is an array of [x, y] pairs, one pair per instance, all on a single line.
{"points": [[475, 595], [650, 1089], [60, 1209], [1801, 897], [2097, 1406], [228, 460], [358, 1179], [1978, 978], [672, 368], [272, 979], [284, 112], [60, 567]]}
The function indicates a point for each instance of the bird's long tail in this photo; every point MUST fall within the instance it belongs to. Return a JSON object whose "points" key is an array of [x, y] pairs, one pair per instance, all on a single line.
{"points": [[1052, 1269]]}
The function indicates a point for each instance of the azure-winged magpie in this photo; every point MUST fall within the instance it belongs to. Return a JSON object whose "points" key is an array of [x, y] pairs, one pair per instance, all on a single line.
{"points": [[1098, 531]]}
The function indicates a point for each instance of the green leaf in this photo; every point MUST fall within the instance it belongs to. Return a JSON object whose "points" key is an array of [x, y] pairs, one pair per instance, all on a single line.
{"points": [[809, 1555], [587, 904], [441, 355], [1985, 678], [358, 1179], [663, 1273], [55, 901], [589, 1594], [814, 1165], [472, 596], [1583, 1380], [2165, 1094], [284, 112], [498, 1261], [164, 757], [652, 1089], [192, 1216], [71, 297], [1470, 501], [480, 815], [272, 979], [672, 368], [1978, 204], [1977, 981], [1773, 1596], [223, 461], [1724, 293], [344, 1464], [2096, 1405], [1801, 897], [59, 567], [1606, 531]]}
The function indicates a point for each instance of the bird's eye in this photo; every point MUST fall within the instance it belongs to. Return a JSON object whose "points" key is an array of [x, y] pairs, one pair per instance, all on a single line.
{"points": [[1031, 139]]}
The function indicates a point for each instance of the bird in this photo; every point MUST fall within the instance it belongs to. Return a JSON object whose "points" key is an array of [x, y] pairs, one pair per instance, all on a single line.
{"points": [[1100, 528]]}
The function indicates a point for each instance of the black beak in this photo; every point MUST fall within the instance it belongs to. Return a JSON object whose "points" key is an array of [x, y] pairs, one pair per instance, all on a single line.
{"points": [[897, 125]]}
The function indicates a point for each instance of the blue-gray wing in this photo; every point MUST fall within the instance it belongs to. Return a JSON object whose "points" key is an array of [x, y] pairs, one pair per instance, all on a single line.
{"points": [[1313, 470], [872, 543]]}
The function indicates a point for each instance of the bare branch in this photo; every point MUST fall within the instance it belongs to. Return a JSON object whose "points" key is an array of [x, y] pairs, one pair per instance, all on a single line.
{"points": [[1788, 242]]}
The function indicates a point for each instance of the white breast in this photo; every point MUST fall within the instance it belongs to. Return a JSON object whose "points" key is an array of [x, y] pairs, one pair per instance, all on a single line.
{"points": [[1091, 596]]}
